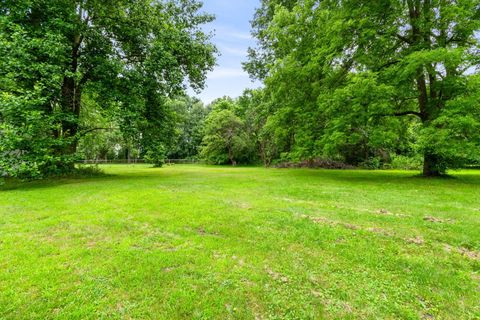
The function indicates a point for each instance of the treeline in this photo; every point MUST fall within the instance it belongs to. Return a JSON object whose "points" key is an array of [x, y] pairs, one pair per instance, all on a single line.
{"points": [[367, 82], [245, 130], [362, 83], [257, 129], [178, 137]]}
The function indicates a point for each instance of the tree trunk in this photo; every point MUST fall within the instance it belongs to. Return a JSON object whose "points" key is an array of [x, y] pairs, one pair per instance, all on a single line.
{"points": [[421, 38], [430, 166], [71, 96], [71, 99], [230, 156]]}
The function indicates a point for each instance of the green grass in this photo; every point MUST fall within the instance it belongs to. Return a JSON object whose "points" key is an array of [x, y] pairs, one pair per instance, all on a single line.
{"points": [[199, 242]]}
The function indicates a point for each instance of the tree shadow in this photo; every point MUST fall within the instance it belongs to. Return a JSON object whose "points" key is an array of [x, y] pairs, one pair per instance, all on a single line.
{"points": [[367, 177], [389, 176], [12, 184]]}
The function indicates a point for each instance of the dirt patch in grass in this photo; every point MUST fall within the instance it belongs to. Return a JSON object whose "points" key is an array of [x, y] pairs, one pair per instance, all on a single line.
{"points": [[470, 254], [437, 220], [385, 212], [475, 255], [203, 232], [427, 316], [244, 205], [170, 269], [381, 231], [322, 220], [276, 276], [416, 240], [326, 221], [382, 211]]}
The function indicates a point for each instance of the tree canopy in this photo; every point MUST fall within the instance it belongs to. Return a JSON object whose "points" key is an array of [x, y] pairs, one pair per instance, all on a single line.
{"points": [[357, 79], [375, 84], [129, 55]]}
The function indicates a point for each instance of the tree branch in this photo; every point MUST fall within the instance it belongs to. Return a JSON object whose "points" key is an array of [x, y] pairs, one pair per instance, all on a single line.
{"points": [[85, 132], [401, 114], [405, 113], [387, 64]]}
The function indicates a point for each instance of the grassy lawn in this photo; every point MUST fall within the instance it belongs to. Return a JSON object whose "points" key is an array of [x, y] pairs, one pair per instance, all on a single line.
{"points": [[199, 242]]}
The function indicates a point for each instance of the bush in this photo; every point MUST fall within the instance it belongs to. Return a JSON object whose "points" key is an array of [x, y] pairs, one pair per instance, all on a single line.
{"points": [[85, 171], [156, 155], [30, 152], [406, 163], [315, 163], [372, 163]]}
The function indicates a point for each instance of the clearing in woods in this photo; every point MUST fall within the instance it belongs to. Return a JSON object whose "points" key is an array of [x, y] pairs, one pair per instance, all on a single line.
{"points": [[200, 242]]}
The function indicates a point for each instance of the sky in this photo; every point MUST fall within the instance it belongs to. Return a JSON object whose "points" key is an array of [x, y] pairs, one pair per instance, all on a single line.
{"points": [[232, 38]]}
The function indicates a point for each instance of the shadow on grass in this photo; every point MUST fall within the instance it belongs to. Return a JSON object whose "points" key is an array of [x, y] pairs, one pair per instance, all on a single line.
{"points": [[368, 177], [14, 184], [389, 177], [70, 179], [149, 173]]}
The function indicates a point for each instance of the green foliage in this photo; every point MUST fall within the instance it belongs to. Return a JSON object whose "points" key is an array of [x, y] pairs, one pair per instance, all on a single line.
{"points": [[455, 134], [406, 163], [104, 139], [225, 140], [190, 115], [156, 155], [263, 56], [27, 150], [87, 171], [127, 56], [30, 77], [360, 80]]}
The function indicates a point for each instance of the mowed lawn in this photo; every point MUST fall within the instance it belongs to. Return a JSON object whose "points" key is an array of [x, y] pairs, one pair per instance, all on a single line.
{"points": [[200, 242]]}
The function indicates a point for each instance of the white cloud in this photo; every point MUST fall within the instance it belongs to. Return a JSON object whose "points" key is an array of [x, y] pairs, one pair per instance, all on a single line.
{"points": [[232, 51], [221, 73], [238, 35], [222, 32]]}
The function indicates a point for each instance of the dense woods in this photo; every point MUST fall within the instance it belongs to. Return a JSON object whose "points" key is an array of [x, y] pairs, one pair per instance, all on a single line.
{"points": [[376, 84]]}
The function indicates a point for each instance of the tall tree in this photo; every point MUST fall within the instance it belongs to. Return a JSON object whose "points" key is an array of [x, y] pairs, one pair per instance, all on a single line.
{"points": [[190, 115], [131, 53], [262, 57], [361, 66], [225, 140]]}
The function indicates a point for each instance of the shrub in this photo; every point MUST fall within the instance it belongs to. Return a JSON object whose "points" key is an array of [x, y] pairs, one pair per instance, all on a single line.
{"points": [[156, 155], [372, 163], [406, 163], [315, 163]]}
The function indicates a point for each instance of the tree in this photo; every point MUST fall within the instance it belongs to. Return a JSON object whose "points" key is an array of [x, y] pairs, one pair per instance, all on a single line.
{"points": [[266, 136], [225, 140], [131, 54], [263, 56], [156, 155], [104, 141], [190, 115], [359, 72]]}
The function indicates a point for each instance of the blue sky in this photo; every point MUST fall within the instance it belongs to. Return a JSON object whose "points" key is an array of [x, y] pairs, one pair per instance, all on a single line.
{"points": [[232, 38]]}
